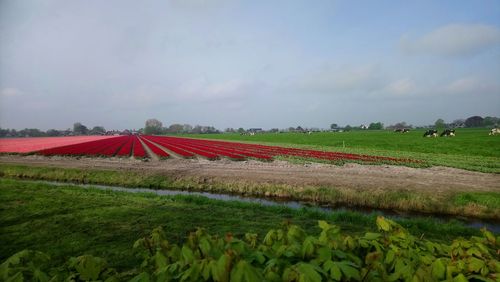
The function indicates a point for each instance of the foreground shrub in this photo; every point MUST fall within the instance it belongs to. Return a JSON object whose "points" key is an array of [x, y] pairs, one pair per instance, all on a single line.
{"points": [[285, 254]]}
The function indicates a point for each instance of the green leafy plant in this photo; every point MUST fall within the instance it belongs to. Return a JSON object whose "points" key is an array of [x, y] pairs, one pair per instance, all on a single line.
{"points": [[285, 254]]}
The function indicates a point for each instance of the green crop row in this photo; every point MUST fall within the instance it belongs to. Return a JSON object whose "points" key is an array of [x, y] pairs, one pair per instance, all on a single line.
{"points": [[285, 254]]}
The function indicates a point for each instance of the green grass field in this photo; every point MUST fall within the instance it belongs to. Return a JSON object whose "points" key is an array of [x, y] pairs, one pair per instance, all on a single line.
{"points": [[67, 221], [471, 149]]}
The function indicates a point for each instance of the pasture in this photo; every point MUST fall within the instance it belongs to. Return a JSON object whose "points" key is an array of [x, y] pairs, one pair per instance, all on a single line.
{"points": [[471, 149]]}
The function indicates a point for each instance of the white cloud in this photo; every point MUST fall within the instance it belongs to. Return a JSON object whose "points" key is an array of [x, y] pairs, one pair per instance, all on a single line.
{"points": [[401, 87], [10, 92], [200, 90], [473, 85], [453, 40], [341, 80]]}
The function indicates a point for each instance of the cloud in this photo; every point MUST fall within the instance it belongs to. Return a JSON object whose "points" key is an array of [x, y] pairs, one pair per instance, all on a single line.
{"points": [[345, 79], [401, 87], [453, 40], [472, 85], [10, 92], [200, 90]]}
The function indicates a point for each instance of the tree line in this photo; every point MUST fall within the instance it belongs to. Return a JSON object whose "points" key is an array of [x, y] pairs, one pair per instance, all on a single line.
{"points": [[78, 129], [154, 126]]}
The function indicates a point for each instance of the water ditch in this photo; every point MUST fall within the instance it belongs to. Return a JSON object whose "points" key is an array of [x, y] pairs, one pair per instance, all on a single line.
{"points": [[493, 226]]}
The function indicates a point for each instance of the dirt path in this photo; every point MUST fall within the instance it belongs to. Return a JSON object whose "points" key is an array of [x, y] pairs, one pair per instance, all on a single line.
{"points": [[352, 176]]}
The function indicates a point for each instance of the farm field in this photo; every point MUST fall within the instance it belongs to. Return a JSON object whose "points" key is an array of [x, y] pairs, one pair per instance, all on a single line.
{"points": [[471, 149], [65, 221], [163, 147], [26, 145]]}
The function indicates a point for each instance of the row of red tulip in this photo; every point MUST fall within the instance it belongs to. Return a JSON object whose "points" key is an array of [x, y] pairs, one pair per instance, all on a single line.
{"points": [[163, 147]]}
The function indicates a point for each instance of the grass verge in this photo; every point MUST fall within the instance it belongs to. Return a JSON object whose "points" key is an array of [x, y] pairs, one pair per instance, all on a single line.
{"points": [[65, 221], [468, 204]]}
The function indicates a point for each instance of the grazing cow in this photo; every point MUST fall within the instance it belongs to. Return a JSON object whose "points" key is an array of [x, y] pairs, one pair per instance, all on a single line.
{"points": [[431, 133], [403, 130], [448, 133], [406, 130], [398, 130], [494, 131]]}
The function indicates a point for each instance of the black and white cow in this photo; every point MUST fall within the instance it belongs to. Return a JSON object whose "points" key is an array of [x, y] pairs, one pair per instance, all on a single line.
{"points": [[402, 130], [495, 131], [431, 133], [448, 133]]}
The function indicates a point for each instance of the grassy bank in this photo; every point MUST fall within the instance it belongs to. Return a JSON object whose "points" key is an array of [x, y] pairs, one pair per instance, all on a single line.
{"points": [[472, 204], [66, 220], [471, 149]]}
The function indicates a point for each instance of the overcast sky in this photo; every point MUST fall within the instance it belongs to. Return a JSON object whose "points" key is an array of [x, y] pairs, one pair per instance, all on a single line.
{"points": [[246, 63]]}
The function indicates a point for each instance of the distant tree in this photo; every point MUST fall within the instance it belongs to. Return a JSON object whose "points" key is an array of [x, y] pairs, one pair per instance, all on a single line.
{"points": [[299, 128], [274, 130], [210, 129], [399, 125], [291, 129], [187, 128], [376, 126], [4, 132], [474, 121], [491, 121], [80, 129], [241, 130], [347, 128], [229, 130], [197, 129], [334, 126], [175, 128], [54, 132], [31, 132], [439, 124], [153, 126], [97, 130]]}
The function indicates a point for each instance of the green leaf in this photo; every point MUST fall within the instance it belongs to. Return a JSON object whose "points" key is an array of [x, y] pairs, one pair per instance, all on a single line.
{"points": [[40, 276], [333, 269], [221, 269], [460, 278], [141, 277], [372, 236], [324, 225], [324, 254], [187, 254], [438, 269], [160, 260], [307, 247], [475, 265], [89, 267], [383, 224], [389, 257], [18, 277], [205, 246], [349, 270], [295, 234], [308, 272], [244, 272]]}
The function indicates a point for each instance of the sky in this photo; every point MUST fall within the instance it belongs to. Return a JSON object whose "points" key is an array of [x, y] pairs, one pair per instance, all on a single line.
{"points": [[255, 63]]}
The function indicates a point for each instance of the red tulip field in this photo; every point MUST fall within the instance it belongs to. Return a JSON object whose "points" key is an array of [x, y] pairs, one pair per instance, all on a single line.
{"points": [[163, 147]]}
